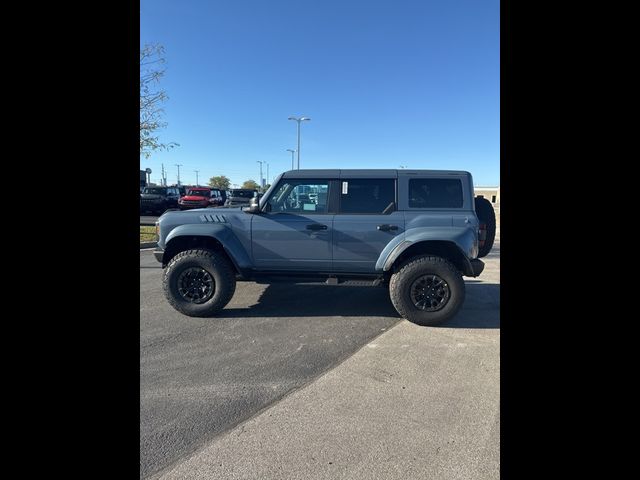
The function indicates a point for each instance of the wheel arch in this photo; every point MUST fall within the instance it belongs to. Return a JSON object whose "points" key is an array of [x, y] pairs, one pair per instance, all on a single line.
{"points": [[446, 249], [180, 243]]}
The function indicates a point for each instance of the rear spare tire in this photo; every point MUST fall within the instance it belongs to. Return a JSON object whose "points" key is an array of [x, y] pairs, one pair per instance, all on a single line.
{"points": [[487, 217]]}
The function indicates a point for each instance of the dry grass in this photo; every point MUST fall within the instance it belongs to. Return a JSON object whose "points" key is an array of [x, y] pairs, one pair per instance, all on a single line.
{"points": [[147, 234]]}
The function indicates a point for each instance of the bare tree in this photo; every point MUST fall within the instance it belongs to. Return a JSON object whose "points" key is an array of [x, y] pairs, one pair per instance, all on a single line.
{"points": [[151, 99]]}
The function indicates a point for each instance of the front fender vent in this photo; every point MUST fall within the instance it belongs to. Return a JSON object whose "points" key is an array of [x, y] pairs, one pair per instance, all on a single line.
{"points": [[210, 218]]}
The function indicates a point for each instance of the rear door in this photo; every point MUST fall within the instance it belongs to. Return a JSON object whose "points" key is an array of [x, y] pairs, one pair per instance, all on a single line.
{"points": [[295, 230], [366, 221]]}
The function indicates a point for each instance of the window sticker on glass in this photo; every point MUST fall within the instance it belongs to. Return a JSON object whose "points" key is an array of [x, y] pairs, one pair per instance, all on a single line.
{"points": [[309, 206], [345, 188]]}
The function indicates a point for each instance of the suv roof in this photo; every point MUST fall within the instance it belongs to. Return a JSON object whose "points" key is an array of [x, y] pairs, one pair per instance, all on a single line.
{"points": [[323, 173]]}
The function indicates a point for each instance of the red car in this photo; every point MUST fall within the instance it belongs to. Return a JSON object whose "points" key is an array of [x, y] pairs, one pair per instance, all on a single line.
{"points": [[200, 197]]}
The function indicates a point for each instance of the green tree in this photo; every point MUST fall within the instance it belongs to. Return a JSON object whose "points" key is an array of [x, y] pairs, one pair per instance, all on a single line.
{"points": [[250, 184], [151, 100], [220, 182]]}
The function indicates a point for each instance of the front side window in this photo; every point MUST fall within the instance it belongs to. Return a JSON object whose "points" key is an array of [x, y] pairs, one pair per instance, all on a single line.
{"points": [[435, 193], [373, 195], [300, 196]]}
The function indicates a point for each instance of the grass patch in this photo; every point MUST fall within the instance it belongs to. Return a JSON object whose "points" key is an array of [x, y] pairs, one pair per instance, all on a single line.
{"points": [[147, 234]]}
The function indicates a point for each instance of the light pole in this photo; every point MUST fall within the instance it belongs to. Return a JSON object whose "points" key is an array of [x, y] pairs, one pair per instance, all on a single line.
{"points": [[197, 184], [260, 162], [299, 119], [178, 165], [267, 181], [292, 152]]}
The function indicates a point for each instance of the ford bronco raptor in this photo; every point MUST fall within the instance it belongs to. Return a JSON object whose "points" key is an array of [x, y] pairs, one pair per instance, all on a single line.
{"points": [[415, 232]]}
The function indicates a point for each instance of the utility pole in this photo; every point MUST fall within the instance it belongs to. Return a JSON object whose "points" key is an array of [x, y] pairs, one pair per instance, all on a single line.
{"points": [[163, 182], [292, 152], [178, 165], [260, 162], [197, 184], [299, 119]]}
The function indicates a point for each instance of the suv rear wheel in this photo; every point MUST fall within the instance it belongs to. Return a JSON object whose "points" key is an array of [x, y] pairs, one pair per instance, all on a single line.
{"points": [[199, 283], [427, 290]]}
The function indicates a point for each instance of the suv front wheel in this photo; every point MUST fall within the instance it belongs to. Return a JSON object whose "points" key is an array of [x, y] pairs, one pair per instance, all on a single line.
{"points": [[427, 290], [199, 283]]}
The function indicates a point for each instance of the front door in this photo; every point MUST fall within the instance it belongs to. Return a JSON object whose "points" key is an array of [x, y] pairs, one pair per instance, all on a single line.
{"points": [[295, 230], [366, 221]]}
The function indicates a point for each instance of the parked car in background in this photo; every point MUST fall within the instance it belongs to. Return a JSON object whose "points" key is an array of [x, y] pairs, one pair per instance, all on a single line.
{"points": [[222, 195], [158, 199], [201, 197], [239, 197]]}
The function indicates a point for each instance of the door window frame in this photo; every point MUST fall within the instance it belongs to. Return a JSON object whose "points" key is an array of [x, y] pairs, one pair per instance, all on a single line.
{"points": [[331, 186], [339, 195]]}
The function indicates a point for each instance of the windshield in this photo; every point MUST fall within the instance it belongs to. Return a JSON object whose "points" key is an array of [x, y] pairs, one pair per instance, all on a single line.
{"points": [[242, 193], [268, 192], [155, 191], [198, 193]]}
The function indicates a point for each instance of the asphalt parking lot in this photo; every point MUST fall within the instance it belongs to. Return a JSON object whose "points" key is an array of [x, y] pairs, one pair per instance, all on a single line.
{"points": [[276, 349]]}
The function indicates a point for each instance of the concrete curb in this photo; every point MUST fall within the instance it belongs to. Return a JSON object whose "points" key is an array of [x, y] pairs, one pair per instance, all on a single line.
{"points": [[148, 244]]}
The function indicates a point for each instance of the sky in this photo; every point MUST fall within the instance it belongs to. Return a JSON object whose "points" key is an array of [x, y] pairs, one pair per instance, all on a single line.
{"points": [[387, 84]]}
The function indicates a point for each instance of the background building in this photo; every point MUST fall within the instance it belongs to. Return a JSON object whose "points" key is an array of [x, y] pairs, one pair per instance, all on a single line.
{"points": [[490, 193]]}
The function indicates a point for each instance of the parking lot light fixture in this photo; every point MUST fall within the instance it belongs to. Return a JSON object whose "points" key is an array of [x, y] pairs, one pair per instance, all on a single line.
{"points": [[292, 152], [260, 162], [299, 120]]}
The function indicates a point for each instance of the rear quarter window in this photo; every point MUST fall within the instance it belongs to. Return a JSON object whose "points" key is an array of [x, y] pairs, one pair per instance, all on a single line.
{"points": [[435, 193]]}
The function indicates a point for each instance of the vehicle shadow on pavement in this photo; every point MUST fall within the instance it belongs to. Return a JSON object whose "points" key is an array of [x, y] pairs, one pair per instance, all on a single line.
{"points": [[295, 300], [481, 308]]}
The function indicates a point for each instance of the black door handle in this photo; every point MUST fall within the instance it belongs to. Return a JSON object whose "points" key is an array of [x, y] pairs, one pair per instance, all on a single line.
{"points": [[316, 226], [386, 227]]}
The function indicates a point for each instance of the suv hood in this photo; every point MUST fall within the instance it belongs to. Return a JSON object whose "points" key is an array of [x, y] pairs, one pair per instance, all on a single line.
{"points": [[195, 198], [151, 196]]}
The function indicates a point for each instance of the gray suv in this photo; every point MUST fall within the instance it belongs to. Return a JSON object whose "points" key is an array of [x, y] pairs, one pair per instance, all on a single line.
{"points": [[414, 232]]}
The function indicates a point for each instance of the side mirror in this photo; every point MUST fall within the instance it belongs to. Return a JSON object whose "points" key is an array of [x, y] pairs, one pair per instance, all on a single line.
{"points": [[254, 206]]}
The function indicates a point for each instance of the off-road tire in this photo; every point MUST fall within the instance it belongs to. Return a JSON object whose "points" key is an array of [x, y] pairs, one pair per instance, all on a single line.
{"points": [[411, 271], [214, 263], [486, 215]]}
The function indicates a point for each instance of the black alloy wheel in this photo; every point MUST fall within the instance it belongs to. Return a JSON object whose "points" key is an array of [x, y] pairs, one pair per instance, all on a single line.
{"points": [[196, 285], [430, 293]]}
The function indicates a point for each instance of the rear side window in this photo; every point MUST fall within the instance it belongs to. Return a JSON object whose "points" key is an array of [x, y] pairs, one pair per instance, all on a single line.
{"points": [[435, 193], [372, 195]]}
